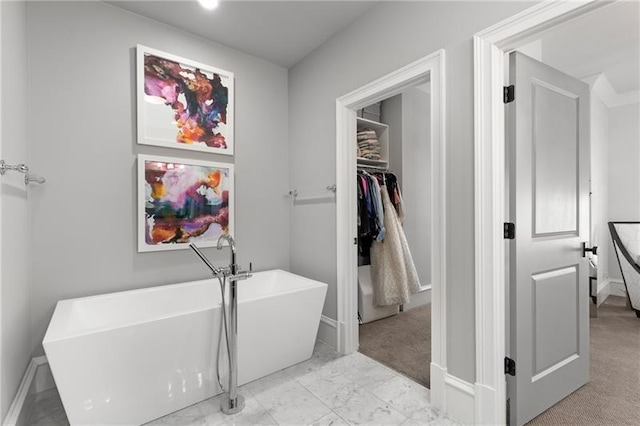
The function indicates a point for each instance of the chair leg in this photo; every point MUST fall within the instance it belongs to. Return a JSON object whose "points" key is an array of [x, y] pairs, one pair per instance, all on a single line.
{"points": [[637, 313]]}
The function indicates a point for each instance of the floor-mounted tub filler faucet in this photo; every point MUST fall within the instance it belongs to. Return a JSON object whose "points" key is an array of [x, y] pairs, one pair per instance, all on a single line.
{"points": [[232, 249], [235, 402]]}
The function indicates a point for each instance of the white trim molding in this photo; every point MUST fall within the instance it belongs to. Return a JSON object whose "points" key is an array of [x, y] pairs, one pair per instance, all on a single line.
{"points": [[601, 86], [617, 288], [328, 331], [490, 46], [459, 399], [423, 297], [610, 287], [2, 61], [36, 379], [430, 68]]}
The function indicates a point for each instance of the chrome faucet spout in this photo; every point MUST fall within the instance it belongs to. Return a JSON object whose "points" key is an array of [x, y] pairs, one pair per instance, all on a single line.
{"points": [[229, 239], [232, 246]]}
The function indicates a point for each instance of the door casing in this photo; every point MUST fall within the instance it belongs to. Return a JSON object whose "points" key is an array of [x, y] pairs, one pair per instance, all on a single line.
{"points": [[490, 46], [430, 68]]}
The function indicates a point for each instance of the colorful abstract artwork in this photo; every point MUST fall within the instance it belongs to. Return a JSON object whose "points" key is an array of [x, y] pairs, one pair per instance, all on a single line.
{"points": [[183, 201], [183, 104]]}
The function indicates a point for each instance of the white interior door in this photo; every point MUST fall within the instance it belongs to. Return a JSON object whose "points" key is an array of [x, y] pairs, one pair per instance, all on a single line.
{"points": [[548, 137]]}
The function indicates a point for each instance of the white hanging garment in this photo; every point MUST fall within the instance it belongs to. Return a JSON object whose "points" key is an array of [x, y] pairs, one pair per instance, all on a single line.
{"points": [[393, 272]]}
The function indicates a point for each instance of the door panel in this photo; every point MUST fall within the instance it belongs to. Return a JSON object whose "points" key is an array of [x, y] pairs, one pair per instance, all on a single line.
{"points": [[554, 324], [555, 152], [548, 137]]}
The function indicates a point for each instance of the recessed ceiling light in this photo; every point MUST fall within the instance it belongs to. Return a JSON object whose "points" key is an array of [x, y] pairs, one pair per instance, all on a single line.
{"points": [[209, 4]]}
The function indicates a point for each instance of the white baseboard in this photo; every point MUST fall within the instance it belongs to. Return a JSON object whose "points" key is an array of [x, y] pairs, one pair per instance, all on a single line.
{"points": [[35, 379], [44, 377], [423, 297], [609, 287], [437, 386], [328, 331], [454, 396], [485, 403], [459, 399], [603, 291], [617, 288]]}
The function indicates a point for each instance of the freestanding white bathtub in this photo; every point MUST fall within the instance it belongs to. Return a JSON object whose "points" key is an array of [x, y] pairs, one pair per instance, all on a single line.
{"points": [[130, 357]]}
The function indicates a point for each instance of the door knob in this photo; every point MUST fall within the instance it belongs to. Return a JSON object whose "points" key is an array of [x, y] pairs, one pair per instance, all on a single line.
{"points": [[585, 249]]}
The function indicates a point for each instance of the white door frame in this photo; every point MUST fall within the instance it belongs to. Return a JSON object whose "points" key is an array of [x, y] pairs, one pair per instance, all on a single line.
{"points": [[1, 295], [490, 46], [430, 67]]}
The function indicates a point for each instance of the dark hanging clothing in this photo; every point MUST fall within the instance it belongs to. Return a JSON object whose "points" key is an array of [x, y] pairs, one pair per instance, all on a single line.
{"points": [[370, 210]]}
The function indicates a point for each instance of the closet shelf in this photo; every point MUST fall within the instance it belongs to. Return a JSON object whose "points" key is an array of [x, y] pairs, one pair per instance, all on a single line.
{"points": [[382, 132], [372, 164]]}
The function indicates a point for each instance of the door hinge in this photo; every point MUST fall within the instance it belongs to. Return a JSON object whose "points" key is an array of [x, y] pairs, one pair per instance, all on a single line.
{"points": [[509, 230], [509, 366], [509, 94]]}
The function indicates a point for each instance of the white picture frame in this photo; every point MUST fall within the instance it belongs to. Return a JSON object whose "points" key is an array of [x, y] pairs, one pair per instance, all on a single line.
{"points": [[183, 104], [182, 201]]}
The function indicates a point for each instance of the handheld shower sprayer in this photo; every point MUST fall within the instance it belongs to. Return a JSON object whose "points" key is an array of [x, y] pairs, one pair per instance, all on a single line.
{"points": [[214, 270]]}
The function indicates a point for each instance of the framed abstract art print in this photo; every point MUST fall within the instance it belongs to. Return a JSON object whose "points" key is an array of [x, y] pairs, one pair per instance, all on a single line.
{"points": [[183, 104], [183, 201]]}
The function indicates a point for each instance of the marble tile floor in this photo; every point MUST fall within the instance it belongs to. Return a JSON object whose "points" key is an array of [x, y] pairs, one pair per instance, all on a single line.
{"points": [[328, 389]]}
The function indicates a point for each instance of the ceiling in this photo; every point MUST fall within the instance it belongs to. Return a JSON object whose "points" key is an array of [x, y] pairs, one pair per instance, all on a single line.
{"points": [[604, 41], [282, 32]]}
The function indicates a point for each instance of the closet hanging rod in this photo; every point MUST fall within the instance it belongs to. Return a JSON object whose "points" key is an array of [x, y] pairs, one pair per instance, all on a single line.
{"points": [[21, 168], [373, 168]]}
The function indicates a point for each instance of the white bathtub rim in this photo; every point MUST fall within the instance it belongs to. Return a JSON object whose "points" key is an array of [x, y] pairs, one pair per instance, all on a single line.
{"points": [[180, 284], [52, 336]]}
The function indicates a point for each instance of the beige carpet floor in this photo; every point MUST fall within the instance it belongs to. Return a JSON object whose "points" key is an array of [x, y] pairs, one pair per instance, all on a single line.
{"points": [[612, 397], [401, 342]]}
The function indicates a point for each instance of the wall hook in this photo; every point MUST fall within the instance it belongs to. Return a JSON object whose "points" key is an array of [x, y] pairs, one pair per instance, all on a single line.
{"points": [[21, 168]]}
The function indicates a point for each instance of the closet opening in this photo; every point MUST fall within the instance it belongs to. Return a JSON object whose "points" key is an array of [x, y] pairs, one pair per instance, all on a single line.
{"points": [[423, 78], [394, 237]]}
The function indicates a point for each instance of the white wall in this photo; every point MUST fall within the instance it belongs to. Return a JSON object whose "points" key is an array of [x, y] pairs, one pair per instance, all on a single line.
{"points": [[15, 311], [82, 113], [600, 183], [416, 158], [407, 115], [393, 34], [624, 173], [391, 114]]}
